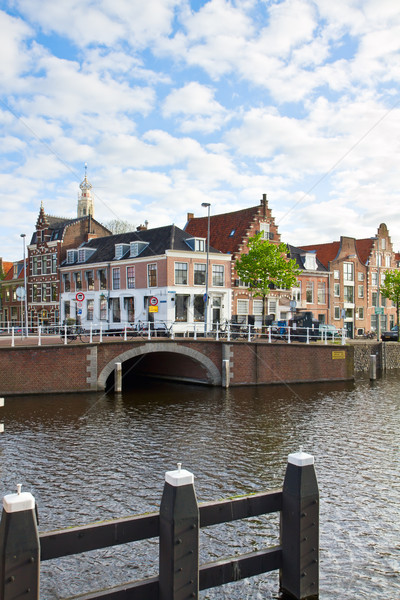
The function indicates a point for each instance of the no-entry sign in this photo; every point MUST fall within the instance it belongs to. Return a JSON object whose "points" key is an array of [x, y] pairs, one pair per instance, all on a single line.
{"points": [[153, 301], [80, 296]]}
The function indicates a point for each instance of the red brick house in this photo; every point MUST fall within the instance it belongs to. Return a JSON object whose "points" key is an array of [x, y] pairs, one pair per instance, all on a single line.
{"points": [[12, 308], [230, 233], [357, 269]]}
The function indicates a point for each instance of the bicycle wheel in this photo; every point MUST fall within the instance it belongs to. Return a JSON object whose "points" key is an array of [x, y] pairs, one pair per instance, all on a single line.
{"points": [[84, 336]]}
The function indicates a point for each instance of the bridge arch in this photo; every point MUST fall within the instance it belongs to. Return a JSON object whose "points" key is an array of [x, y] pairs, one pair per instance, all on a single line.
{"points": [[214, 375]]}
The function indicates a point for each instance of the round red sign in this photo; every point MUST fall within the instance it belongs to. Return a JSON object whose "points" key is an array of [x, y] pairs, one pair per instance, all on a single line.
{"points": [[153, 301], [80, 296]]}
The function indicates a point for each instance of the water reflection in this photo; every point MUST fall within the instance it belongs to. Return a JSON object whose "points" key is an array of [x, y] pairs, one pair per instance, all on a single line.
{"points": [[94, 457]]}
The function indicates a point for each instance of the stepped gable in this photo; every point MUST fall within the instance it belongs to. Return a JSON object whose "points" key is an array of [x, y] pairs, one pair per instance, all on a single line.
{"points": [[228, 231]]}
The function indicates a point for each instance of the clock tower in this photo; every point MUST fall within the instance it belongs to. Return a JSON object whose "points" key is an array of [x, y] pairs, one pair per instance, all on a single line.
{"points": [[85, 198]]}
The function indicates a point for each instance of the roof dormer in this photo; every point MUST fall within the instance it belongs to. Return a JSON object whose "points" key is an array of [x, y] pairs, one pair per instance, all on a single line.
{"points": [[310, 260], [121, 250], [136, 248]]}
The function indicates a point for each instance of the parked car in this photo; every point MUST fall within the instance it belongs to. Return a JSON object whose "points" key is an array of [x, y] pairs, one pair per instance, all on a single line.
{"points": [[391, 336], [328, 329]]}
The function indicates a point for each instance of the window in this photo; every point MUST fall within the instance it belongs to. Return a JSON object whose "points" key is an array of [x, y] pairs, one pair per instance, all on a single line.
{"points": [[152, 275], [116, 279], [360, 276], [45, 297], [336, 274], [54, 263], [199, 274], [67, 309], [361, 291], [218, 275], [198, 308], [258, 308], [45, 265], [181, 273], [120, 250], [348, 293], [199, 245], [35, 292], [89, 310], [310, 292], [102, 276], [129, 304], [383, 244], [264, 230], [337, 312], [360, 312], [378, 260], [54, 292], [103, 308], [115, 310], [387, 260], [272, 308], [34, 265], [336, 289], [130, 278], [71, 256], [89, 280], [296, 292], [136, 248], [242, 311], [374, 298], [321, 292], [374, 278], [181, 307], [78, 281], [348, 271]]}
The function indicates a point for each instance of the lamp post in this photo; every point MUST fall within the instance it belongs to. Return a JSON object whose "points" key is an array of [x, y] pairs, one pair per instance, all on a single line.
{"points": [[207, 205], [23, 235]]}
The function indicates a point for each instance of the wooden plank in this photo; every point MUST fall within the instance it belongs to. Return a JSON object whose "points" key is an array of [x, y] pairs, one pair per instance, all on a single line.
{"points": [[225, 511]]}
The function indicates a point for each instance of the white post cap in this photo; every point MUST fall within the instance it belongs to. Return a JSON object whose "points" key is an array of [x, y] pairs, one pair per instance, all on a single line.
{"points": [[1, 401], [179, 477], [300, 458], [18, 502]]}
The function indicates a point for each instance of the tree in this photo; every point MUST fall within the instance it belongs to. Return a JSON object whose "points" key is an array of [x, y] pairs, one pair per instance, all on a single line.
{"points": [[266, 265], [391, 290], [118, 226]]}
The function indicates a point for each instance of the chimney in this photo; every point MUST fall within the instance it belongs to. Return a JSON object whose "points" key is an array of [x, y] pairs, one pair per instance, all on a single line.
{"points": [[142, 227], [264, 204], [190, 216]]}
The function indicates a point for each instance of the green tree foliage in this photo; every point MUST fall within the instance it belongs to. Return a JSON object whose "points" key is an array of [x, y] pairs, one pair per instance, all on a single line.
{"points": [[391, 290], [266, 265]]}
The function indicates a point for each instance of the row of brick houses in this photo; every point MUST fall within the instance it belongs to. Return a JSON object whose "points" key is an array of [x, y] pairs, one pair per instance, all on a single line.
{"points": [[76, 269]]}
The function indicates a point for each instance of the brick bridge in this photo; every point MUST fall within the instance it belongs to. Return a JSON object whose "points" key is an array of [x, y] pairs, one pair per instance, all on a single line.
{"points": [[90, 367]]}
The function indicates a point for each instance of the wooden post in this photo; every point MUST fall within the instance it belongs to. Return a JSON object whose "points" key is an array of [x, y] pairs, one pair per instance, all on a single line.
{"points": [[179, 538], [225, 373], [19, 548], [372, 366], [299, 574], [118, 377]]}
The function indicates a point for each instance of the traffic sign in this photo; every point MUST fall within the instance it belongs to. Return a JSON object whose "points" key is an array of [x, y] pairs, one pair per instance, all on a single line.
{"points": [[80, 296], [153, 301], [153, 309], [79, 304]]}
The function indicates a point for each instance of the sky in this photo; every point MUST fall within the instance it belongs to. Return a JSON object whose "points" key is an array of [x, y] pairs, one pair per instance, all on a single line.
{"points": [[172, 103]]}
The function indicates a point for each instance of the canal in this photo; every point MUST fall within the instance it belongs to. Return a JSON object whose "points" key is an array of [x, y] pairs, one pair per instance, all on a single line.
{"points": [[92, 457]]}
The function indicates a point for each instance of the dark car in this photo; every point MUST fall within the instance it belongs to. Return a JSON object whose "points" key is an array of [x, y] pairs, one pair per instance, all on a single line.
{"points": [[391, 336]]}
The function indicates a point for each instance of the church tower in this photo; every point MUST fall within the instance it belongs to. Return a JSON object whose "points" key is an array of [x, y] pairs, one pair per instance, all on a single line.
{"points": [[85, 198]]}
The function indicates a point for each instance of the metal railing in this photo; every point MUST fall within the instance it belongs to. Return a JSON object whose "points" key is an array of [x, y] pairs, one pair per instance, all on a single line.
{"points": [[226, 331]]}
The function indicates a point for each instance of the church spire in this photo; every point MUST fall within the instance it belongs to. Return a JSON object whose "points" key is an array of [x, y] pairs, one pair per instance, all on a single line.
{"points": [[85, 198]]}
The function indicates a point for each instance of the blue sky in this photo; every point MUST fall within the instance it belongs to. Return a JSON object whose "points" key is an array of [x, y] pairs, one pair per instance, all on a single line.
{"points": [[172, 103]]}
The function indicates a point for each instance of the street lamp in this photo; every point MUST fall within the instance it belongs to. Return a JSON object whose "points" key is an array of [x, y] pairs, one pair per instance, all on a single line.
{"points": [[207, 205], [23, 235]]}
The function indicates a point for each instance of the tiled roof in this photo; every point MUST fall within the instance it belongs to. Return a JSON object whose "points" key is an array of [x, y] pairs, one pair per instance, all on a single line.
{"points": [[6, 265], [159, 240], [10, 273], [328, 252], [364, 248], [325, 252], [295, 254], [226, 231]]}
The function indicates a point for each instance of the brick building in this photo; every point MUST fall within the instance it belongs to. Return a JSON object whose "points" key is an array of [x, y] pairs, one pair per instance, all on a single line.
{"points": [[357, 269], [48, 249], [156, 275], [12, 295]]}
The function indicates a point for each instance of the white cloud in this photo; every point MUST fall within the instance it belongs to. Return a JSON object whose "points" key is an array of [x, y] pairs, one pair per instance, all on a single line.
{"points": [[196, 107]]}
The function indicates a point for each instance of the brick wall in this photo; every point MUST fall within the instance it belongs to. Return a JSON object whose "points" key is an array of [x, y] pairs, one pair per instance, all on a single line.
{"points": [[77, 367]]}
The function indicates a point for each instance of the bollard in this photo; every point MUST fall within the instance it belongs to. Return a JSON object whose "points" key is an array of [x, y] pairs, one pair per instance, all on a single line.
{"points": [[179, 537], [372, 366], [19, 548], [118, 377], [299, 573], [1, 424]]}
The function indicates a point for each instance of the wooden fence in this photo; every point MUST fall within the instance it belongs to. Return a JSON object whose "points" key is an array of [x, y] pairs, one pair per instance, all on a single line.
{"points": [[177, 526]]}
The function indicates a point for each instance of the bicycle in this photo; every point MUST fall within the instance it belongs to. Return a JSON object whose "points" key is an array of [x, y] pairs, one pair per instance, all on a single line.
{"points": [[71, 333]]}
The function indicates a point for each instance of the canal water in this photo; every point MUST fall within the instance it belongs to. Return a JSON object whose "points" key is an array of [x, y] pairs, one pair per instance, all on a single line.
{"points": [[92, 457]]}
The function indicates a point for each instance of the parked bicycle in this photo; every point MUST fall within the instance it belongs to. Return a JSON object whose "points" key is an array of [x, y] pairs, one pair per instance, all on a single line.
{"points": [[73, 332]]}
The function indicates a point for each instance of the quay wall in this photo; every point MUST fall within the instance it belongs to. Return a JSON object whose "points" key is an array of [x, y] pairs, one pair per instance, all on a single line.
{"points": [[85, 367], [387, 355]]}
